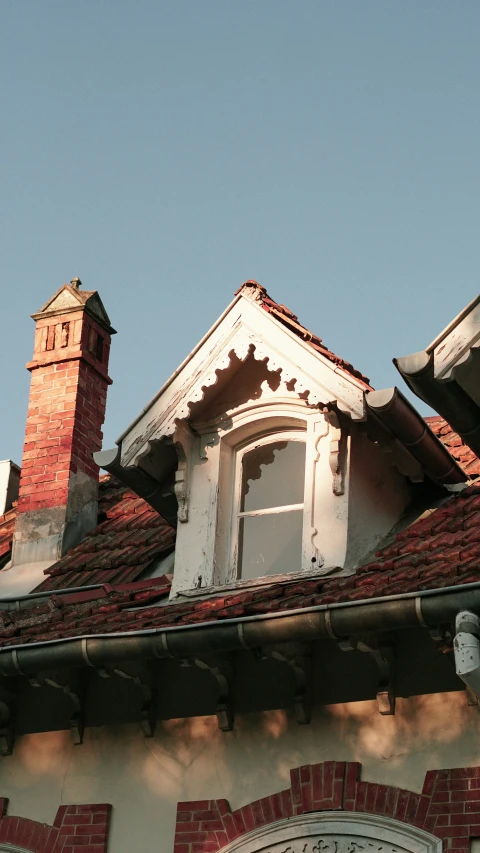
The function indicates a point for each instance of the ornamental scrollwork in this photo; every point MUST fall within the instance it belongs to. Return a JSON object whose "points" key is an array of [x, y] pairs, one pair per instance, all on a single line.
{"points": [[337, 844]]}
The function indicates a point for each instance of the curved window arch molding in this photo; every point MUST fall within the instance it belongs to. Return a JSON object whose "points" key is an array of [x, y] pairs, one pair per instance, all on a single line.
{"points": [[337, 832]]}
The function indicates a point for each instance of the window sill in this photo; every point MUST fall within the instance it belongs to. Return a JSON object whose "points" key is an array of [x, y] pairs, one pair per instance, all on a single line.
{"points": [[254, 583]]}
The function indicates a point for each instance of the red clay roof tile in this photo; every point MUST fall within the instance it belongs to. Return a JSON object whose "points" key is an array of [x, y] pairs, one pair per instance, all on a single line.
{"points": [[285, 316], [454, 444], [129, 538], [421, 557]]}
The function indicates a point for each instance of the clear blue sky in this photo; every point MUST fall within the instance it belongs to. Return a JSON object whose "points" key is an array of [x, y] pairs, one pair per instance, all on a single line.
{"points": [[167, 151]]}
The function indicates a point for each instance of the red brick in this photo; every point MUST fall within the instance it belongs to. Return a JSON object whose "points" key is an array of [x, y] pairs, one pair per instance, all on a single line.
{"points": [[295, 787], [239, 822], [352, 776], [371, 796], [465, 819], [205, 814], [187, 837], [328, 774], [211, 825], [317, 783], [392, 795], [360, 797], [77, 819], [190, 826], [257, 813], [230, 827], [402, 803], [248, 817]]}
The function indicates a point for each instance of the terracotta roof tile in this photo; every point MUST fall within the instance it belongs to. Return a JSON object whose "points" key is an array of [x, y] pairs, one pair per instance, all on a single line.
{"points": [[427, 555], [285, 316], [129, 538], [454, 444], [7, 523]]}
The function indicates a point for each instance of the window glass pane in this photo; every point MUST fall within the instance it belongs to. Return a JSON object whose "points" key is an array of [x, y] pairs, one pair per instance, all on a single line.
{"points": [[273, 475], [270, 544]]}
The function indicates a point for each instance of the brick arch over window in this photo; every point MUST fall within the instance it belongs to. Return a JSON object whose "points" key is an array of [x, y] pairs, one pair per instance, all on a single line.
{"points": [[76, 829], [448, 807]]}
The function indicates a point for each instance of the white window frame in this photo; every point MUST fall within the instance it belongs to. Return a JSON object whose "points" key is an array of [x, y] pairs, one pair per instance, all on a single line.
{"points": [[208, 482], [236, 514]]}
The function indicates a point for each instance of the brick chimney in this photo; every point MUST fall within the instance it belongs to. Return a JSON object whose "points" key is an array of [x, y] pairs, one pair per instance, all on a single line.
{"points": [[58, 495]]}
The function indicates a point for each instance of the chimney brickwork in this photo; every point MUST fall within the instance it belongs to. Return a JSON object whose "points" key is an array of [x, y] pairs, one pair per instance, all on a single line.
{"points": [[57, 502]]}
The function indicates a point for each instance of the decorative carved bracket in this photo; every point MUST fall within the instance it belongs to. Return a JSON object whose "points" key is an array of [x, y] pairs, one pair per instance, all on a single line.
{"points": [[7, 721], [73, 689], [384, 657], [147, 711], [298, 657], [182, 440], [223, 674], [338, 447]]}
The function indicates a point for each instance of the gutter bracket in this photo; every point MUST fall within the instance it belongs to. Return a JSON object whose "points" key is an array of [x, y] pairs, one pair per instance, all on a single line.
{"points": [[298, 658], [73, 689], [384, 657], [442, 637], [7, 721], [223, 674], [147, 693]]}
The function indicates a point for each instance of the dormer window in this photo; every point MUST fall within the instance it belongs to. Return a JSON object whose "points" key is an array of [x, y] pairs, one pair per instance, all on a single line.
{"points": [[269, 503], [277, 474]]}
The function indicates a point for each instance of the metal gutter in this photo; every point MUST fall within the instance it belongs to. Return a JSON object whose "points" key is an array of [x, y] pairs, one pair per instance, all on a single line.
{"points": [[158, 493], [447, 398], [403, 420], [428, 608]]}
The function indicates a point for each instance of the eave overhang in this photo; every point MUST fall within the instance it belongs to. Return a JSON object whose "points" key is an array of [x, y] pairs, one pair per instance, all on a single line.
{"points": [[446, 374], [397, 415], [427, 609]]}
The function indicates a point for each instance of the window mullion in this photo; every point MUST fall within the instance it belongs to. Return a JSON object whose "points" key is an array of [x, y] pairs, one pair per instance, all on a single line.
{"points": [[271, 510]]}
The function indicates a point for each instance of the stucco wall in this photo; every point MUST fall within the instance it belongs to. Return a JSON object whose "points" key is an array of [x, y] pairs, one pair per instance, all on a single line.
{"points": [[191, 759]]}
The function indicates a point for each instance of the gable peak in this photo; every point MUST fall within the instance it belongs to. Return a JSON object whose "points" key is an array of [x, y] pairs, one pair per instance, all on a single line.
{"points": [[70, 297], [255, 292]]}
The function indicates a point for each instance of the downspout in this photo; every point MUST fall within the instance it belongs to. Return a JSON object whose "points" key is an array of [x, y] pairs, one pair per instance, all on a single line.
{"points": [[427, 609], [466, 647]]}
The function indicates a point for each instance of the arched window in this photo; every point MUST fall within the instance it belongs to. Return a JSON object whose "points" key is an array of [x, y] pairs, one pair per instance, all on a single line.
{"points": [[267, 523]]}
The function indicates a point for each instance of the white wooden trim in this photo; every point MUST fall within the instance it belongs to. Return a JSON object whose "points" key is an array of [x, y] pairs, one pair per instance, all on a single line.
{"points": [[244, 329], [271, 510], [236, 491]]}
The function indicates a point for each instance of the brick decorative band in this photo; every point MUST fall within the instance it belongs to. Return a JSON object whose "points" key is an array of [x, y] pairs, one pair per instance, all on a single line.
{"points": [[448, 807], [76, 829]]}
